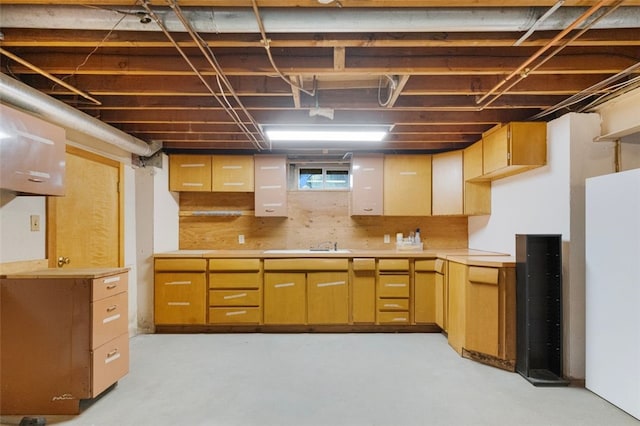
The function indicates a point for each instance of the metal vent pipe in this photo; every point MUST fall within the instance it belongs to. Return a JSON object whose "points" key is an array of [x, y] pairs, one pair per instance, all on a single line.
{"points": [[19, 94], [296, 20]]}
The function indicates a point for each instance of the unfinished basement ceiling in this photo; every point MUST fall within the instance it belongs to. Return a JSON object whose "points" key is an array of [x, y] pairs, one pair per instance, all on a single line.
{"points": [[196, 75]]}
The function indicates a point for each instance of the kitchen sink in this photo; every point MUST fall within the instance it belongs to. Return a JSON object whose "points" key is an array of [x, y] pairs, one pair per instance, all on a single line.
{"points": [[306, 251]]}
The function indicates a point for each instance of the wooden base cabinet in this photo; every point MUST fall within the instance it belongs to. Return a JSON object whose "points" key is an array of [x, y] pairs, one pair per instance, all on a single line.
{"points": [[285, 298], [393, 292], [424, 293], [180, 291], [64, 337], [363, 282], [441, 294], [235, 291]]}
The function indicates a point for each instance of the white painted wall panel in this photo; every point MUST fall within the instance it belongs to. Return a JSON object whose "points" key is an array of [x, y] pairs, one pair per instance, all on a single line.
{"points": [[613, 289], [17, 241]]}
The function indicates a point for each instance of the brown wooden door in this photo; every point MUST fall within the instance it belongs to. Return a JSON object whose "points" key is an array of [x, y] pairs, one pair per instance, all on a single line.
{"points": [[85, 226]]}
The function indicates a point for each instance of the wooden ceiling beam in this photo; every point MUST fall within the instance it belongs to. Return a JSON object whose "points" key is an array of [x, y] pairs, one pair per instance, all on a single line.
{"points": [[38, 38]]}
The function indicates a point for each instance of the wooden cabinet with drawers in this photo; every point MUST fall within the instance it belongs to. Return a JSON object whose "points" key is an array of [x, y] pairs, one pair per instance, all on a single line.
{"points": [[393, 292], [180, 291], [64, 337], [235, 291]]}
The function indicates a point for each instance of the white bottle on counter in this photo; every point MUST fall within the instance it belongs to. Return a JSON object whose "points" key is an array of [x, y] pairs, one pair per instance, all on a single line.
{"points": [[416, 237]]}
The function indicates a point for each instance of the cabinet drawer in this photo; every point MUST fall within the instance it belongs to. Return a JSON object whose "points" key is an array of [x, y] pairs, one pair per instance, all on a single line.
{"points": [[393, 264], [234, 298], [235, 280], [108, 286], [109, 363], [364, 264], [180, 265], [393, 304], [234, 315], [393, 286], [391, 317], [425, 265], [234, 264], [110, 318]]}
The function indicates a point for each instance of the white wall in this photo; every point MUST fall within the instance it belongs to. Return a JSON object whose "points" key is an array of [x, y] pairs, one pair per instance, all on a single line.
{"points": [[144, 249], [550, 200], [613, 289], [130, 244], [17, 241], [165, 209]]}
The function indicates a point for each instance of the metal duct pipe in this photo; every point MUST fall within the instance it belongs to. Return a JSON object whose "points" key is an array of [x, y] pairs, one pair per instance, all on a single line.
{"points": [[290, 20], [19, 94]]}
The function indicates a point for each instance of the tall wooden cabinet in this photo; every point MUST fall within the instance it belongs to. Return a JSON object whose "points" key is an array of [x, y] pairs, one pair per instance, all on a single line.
{"points": [[270, 185], [367, 178], [407, 185], [64, 337]]}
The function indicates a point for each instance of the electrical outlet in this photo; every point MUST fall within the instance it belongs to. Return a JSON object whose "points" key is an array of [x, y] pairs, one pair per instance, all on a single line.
{"points": [[35, 222], [240, 239], [387, 238]]}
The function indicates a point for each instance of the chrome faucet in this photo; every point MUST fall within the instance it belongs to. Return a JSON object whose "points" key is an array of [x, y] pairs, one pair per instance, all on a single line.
{"points": [[326, 246]]}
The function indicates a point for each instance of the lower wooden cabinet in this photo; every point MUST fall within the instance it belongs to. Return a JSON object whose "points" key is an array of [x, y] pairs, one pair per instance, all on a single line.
{"points": [[64, 337], [363, 284], [393, 291], [235, 291], [180, 291], [328, 297], [482, 309], [285, 298], [441, 294], [424, 293]]}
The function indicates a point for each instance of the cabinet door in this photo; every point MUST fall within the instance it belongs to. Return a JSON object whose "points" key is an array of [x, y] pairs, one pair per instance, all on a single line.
{"points": [[180, 298], [447, 183], [270, 185], [425, 297], [495, 153], [190, 173], [482, 316], [407, 185], [477, 194], [284, 298], [457, 277], [364, 297], [328, 297], [232, 173], [366, 192]]}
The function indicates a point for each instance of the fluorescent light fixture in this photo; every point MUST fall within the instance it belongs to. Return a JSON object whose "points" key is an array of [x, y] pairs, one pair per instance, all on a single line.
{"points": [[376, 134]]}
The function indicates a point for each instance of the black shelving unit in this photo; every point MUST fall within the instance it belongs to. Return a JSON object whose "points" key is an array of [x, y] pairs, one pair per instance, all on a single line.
{"points": [[539, 308]]}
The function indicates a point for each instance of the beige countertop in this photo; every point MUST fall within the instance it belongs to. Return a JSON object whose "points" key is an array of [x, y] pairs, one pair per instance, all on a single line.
{"points": [[491, 261], [81, 273], [267, 254]]}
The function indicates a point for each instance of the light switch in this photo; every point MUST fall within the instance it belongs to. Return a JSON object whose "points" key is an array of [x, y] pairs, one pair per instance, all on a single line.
{"points": [[240, 239], [35, 222]]}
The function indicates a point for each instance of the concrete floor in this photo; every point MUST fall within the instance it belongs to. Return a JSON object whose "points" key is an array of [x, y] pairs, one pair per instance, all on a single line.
{"points": [[326, 379]]}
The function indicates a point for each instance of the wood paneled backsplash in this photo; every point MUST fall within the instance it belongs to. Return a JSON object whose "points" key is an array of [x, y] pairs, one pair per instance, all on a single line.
{"points": [[314, 217]]}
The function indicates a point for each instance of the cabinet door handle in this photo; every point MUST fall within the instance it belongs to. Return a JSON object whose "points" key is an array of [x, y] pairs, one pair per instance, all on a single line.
{"points": [[368, 209], [332, 283], [284, 285], [395, 285], [35, 180]]}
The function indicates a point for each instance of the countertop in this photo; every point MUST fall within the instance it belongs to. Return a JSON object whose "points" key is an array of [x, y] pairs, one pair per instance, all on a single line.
{"points": [[81, 273], [353, 253], [491, 261]]}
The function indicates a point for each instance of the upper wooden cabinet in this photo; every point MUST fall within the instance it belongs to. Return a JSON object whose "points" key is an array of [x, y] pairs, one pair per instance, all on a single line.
{"points": [[270, 185], [514, 148], [232, 173], [190, 173], [206, 173], [447, 183], [407, 185], [32, 154], [366, 193], [477, 195]]}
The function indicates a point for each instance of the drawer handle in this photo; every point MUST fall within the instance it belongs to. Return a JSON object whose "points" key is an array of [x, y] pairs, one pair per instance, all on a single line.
{"points": [[112, 286], [112, 308], [235, 296], [178, 303], [112, 356], [178, 283], [111, 280], [229, 314], [368, 209], [391, 305], [269, 210], [35, 180], [284, 285], [330, 284], [111, 318], [399, 319], [395, 285]]}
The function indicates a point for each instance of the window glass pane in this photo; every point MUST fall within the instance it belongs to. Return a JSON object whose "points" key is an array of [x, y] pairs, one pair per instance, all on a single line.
{"points": [[337, 179], [310, 178]]}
